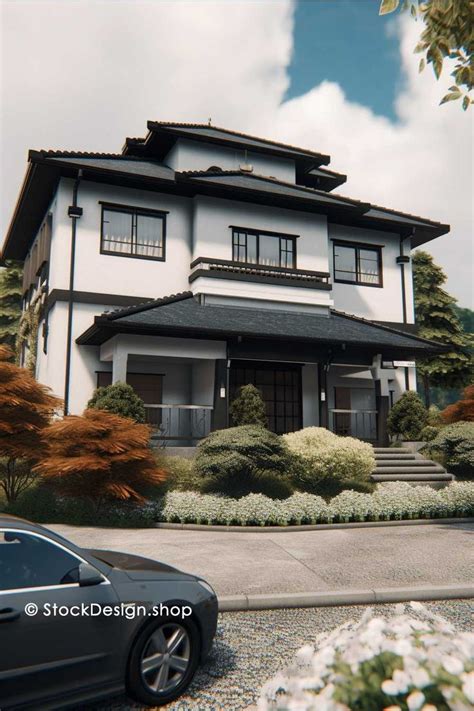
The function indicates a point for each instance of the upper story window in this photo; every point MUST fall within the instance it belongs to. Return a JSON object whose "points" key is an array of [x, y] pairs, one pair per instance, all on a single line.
{"points": [[265, 248], [357, 264], [133, 232]]}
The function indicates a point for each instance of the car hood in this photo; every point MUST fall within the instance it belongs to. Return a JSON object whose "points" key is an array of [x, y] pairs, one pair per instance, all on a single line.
{"points": [[137, 567]]}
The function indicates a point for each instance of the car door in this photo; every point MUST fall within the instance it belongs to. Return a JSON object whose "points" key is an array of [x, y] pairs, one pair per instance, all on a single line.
{"points": [[49, 645]]}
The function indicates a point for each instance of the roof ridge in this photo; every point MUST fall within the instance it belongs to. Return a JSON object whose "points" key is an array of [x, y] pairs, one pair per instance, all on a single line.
{"points": [[175, 124], [383, 327], [93, 154], [151, 304]]}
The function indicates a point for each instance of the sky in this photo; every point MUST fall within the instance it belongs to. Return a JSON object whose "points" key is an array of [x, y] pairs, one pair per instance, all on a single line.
{"points": [[328, 75]]}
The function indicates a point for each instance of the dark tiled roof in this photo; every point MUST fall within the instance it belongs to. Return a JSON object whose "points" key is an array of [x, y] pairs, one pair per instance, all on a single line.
{"points": [[224, 134], [263, 183], [119, 164], [183, 313]]}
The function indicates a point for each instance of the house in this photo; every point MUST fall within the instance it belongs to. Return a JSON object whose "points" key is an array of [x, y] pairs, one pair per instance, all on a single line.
{"points": [[199, 259]]}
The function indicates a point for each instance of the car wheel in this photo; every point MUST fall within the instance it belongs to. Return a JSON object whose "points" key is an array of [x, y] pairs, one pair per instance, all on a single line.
{"points": [[163, 661]]}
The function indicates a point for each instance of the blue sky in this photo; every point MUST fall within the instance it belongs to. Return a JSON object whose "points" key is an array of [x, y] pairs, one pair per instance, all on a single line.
{"points": [[348, 42]]}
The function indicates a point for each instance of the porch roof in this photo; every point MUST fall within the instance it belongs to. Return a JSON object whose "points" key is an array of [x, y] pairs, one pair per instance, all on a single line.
{"points": [[183, 315]]}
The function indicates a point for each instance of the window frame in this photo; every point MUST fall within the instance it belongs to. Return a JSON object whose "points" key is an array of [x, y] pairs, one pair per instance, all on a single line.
{"points": [[281, 236], [57, 586], [357, 246], [134, 211]]}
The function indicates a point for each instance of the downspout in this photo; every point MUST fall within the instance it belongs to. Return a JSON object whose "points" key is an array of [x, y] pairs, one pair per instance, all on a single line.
{"points": [[74, 213], [403, 259]]}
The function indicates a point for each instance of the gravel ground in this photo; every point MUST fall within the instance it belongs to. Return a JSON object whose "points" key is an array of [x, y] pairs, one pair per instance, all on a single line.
{"points": [[251, 647]]}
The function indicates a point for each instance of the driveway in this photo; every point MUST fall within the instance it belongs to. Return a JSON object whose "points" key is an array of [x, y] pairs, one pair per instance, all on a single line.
{"points": [[297, 561]]}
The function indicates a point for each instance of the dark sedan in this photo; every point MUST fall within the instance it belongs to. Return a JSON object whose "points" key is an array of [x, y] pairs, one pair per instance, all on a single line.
{"points": [[81, 625]]}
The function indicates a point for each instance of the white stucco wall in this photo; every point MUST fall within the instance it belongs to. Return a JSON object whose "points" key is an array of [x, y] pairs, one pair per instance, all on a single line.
{"points": [[192, 155], [111, 274], [382, 304]]}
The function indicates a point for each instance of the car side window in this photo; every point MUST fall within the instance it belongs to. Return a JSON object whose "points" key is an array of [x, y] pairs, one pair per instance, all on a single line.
{"points": [[29, 561]]}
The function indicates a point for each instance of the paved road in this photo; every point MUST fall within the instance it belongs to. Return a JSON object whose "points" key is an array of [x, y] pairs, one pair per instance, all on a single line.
{"points": [[314, 561]]}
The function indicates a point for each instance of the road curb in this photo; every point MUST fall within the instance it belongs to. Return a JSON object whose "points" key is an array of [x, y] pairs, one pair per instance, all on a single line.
{"points": [[313, 527], [376, 596]]}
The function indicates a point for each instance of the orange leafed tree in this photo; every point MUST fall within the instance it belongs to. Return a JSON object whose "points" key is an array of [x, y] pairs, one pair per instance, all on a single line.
{"points": [[99, 455], [463, 409], [26, 408]]}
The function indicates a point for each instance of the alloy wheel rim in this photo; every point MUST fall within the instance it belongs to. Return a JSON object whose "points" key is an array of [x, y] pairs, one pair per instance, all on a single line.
{"points": [[165, 658]]}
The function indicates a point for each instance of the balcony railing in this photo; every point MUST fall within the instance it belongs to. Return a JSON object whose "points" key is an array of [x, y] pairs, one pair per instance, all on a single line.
{"points": [[354, 423], [180, 423], [260, 273]]}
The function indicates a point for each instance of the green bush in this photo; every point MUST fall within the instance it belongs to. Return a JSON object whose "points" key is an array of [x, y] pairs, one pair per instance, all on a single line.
{"points": [[248, 408], [429, 432], [330, 487], [243, 460], [407, 417], [181, 474], [454, 446], [326, 460], [119, 398]]}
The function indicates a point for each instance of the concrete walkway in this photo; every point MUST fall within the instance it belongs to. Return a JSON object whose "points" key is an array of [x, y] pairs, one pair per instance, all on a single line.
{"points": [[296, 562]]}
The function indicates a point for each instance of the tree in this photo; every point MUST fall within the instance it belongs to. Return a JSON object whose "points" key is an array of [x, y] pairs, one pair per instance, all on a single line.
{"points": [[100, 456], [119, 398], [407, 417], [449, 34], [437, 320], [462, 410], [26, 408], [10, 302], [248, 407]]}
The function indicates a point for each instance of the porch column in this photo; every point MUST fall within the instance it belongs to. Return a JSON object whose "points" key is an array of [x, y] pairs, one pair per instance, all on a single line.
{"points": [[323, 396], [381, 400], [221, 395], [119, 366]]}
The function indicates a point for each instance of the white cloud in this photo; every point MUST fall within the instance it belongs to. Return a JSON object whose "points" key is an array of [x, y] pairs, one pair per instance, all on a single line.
{"points": [[83, 75]]}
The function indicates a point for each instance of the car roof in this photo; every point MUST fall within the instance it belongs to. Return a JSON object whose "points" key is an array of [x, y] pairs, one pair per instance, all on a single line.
{"points": [[11, 521]]}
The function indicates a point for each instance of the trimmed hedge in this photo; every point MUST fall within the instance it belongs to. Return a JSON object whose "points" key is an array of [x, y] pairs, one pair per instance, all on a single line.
{"points": [[407, 417], [390, 501], [243, 460], [454, 446]]}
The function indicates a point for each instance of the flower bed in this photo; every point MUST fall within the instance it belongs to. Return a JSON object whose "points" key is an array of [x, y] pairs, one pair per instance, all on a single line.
{"points": [[415, 662], [390, 501]]}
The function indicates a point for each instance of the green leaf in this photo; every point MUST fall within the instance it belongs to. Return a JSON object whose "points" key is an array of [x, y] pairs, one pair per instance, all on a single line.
{"points": [[451, 96], [413, 11], [388, 6], [422, 64], [465, 103]]}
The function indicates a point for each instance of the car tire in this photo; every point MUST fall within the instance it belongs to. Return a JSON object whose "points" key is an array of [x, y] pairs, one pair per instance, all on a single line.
{"points": [[163, 661]]}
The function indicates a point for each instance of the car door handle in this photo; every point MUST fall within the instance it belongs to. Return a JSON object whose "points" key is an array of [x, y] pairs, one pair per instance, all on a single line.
{"points": [[8, 614]]}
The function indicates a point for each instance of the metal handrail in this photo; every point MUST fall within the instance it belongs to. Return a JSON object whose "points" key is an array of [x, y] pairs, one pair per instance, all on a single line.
{"points": [[349, 412], [162, 406]]}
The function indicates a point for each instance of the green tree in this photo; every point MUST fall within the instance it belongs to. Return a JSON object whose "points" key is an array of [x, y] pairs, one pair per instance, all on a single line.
{"points": [[10, 302], [438, 321], [407, 417], [119, 398], [448, 33], [248, 407]]}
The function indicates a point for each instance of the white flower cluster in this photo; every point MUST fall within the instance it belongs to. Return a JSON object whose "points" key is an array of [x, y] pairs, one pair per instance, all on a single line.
{"points": [[394, 500], [415, 662]]}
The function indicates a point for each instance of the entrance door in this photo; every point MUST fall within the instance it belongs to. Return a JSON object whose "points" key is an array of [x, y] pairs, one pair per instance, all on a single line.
{"points": [[280, 386]]}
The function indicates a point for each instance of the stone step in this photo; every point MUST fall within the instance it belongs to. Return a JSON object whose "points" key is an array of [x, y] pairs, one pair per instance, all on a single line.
{"points": [[405, 463], [390, 450], [409, 470], [394, 455], [427, 478]]}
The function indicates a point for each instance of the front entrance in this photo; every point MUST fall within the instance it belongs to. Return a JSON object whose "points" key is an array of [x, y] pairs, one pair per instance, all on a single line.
{"points": [[280, 386]]}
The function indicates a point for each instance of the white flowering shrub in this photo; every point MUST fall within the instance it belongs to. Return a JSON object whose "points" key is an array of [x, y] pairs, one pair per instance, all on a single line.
{"points": [[326, 455], [391, 500], [410, 662]]}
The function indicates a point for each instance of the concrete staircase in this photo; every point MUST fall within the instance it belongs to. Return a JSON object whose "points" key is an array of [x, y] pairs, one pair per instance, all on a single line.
{"points": [[400, 464]]}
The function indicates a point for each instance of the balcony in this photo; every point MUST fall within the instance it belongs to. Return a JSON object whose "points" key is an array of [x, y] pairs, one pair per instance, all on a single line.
{"points": [[258, 273], [180, 424]]}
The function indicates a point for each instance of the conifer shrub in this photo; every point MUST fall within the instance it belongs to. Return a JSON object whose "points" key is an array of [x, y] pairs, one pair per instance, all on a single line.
{"points": [[407, 417], [243, 460], [454, 447], [248, 408], [119, 398]]}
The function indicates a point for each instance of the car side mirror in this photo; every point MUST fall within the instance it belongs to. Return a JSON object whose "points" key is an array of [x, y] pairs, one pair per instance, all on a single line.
{"points": [[88, 575]]}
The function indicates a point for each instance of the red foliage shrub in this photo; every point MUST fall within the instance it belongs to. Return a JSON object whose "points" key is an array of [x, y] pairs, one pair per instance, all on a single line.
{"points": [[463, 409]]}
